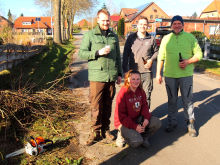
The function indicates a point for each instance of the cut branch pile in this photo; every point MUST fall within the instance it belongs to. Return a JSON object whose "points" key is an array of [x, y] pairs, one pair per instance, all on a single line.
{"points": [[25, 107]]}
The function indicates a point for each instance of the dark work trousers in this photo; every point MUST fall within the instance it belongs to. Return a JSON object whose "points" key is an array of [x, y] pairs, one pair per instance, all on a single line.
{"points": [[101, 97], [133, 138], [185, 84], [147, 82]]}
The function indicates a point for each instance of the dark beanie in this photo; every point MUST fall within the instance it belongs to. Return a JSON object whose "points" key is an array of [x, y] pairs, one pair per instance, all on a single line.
{"points": [[177, 18]]}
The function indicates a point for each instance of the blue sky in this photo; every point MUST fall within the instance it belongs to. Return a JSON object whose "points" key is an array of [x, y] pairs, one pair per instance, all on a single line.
{"points": [[171, 7]]}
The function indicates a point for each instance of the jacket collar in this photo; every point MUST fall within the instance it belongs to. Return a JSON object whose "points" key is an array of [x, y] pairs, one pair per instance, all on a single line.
{"points": [[148, 36], [98, 31], [178, 33]]}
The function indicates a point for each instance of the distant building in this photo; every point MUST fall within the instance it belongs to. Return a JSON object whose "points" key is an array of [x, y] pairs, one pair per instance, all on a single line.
{"points": [[83, 23], [114, 21], [32, 30], [4, 23], [212, 10], [149, 10], [33, 25]]}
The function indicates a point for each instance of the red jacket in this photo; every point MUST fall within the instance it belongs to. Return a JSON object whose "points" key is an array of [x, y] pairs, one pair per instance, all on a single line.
{"points": [[129, 105]]}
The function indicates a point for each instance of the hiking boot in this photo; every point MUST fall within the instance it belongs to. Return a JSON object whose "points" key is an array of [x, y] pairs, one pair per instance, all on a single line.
{"points": [[170, 127], [94, 137], [120, 141], [107, 134], [191, 128]]}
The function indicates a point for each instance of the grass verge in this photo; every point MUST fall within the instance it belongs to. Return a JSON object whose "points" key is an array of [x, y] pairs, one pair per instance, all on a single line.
{"points": [[208, 66]]}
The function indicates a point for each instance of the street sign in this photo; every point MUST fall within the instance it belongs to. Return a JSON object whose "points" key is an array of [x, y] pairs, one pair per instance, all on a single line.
{"points": [[158, 20]]}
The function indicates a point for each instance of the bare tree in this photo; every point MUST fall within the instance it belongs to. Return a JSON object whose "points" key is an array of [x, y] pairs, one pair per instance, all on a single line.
{"points": [[113, 9], [57, 21], [68, 9]]}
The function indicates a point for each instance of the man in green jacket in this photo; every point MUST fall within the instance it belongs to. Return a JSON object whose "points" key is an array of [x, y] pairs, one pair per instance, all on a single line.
{"points": [[100, 47], [178, 51]]}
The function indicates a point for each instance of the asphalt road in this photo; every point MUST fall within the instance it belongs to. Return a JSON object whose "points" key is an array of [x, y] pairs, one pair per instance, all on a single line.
{"points": [[176, 148]]}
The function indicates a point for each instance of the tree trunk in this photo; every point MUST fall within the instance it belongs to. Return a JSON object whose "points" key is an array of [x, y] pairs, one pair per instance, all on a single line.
{"points": [[57, 21]]}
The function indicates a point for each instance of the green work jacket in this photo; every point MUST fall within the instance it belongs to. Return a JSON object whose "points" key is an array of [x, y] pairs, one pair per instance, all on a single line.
{"points": [[101, 68]]}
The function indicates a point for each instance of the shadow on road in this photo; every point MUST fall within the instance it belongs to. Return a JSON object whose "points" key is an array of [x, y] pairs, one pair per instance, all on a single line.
{"points": [[205, 111]]}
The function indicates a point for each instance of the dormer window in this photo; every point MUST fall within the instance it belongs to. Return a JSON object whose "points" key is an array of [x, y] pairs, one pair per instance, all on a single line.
{"points": [[26, 23]]}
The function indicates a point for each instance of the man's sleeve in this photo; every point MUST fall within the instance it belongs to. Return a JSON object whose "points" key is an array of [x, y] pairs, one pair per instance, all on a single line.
{"points": [[196, 49], [126, 54], [85, 51], [162, 50], [118, 58], [155, 50]]}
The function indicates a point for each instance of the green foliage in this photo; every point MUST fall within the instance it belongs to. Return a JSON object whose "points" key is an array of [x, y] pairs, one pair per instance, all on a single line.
{"points": [[49, 41], [194, 15], [6, 34], [10, 16], [215, 39], [74, 162], [76, 28], [104, 6], [41, 70], [1, 41], [209, 66], [199, 35], [121, 27]]}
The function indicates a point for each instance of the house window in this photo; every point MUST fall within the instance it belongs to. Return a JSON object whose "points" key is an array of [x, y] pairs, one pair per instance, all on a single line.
{"points": [[156, 16], [134, 26], [24, 30], [214, 30], [26, 23], [39, 30], [151, 16]]}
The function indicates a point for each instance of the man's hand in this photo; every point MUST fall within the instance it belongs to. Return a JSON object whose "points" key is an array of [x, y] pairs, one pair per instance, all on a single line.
{"points": [[183, 64], [118, 81], [159, 79], [148, 65], [145, 123], [140, 129], [104, 51]]}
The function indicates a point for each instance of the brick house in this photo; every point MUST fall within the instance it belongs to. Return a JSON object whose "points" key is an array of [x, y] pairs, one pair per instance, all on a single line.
{"points": [[114, 21], [4, 23], [33, 24], [83, 23], [32, 30], [149, 10], [208, 22], [212, 10], [209, 26]]}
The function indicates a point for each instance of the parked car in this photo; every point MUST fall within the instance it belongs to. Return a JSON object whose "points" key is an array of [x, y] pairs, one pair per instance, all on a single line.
{"points": [[160, 32], [157, 37]]}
